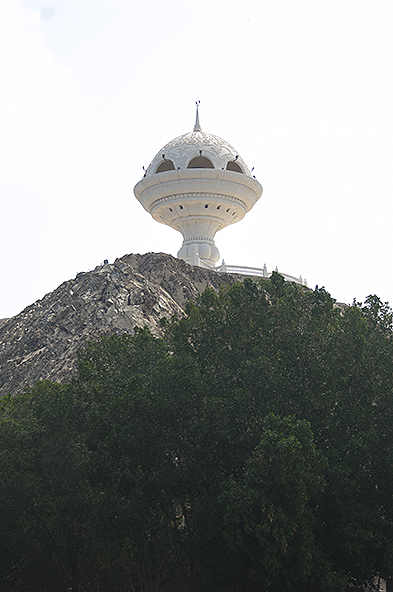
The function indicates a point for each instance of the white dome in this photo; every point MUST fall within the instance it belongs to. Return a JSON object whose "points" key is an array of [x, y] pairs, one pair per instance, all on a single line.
{"points": [[183, 149]]}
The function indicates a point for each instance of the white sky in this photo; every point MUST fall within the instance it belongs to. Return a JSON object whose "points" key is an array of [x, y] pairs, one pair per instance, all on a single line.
{"points": [[90, 91]]}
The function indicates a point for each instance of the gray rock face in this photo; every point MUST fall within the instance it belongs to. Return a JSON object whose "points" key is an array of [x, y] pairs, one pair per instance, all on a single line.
{"points": [[137, 290]]}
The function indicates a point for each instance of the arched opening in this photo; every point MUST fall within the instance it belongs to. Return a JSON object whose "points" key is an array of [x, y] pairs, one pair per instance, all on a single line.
{"points": [[200, 162], [233, 166], [166, 165]]}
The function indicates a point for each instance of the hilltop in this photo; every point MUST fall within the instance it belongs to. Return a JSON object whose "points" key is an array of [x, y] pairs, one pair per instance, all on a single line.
{"points": [[136, 290]]}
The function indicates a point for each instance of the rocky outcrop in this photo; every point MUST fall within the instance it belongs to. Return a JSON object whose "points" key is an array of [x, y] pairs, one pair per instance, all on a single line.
{"points": [[137, 290]]}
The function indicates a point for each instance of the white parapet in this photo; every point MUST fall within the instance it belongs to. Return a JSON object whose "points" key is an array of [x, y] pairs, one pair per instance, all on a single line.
{"points": [[258, 272]]}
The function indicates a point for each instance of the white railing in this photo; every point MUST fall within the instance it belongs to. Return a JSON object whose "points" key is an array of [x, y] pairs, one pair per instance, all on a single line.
{"points": [[258, 272]]}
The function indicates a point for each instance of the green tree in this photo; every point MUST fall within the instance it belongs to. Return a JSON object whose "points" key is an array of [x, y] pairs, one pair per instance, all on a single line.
{"points": [[45, 498], [270, 512], [249, 449]]}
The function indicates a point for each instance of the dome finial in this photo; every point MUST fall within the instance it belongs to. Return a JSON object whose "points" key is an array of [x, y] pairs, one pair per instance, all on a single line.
{"points": [[197, 127]]}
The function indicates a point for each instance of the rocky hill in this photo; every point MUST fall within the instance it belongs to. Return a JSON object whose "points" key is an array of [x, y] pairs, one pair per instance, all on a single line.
{"points": [[136, 290]]}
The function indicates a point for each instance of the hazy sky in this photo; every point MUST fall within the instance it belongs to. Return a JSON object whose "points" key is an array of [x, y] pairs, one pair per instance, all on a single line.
{"points": [[90, 91]]}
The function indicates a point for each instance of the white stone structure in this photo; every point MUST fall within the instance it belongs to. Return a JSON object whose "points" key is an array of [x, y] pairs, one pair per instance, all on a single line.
{"points": [[198, 184], [259, 272]]}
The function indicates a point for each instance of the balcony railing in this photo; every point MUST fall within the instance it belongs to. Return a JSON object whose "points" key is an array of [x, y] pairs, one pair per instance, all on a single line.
{"points": [[258, 272]]}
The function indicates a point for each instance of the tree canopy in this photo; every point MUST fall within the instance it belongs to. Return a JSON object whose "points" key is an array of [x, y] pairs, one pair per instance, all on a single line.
{"points": [[249, 449]]}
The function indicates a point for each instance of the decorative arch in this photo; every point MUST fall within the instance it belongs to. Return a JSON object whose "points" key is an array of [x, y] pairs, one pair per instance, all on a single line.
{"points": [[166, 165], [233, 166], [200, 162]]}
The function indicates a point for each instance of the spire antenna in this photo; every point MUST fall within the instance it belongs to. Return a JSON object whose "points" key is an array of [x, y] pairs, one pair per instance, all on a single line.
{"points": [[197, 127]]}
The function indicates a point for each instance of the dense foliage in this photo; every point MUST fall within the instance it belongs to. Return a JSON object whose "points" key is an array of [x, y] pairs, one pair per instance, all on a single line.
{"points": [[250, 449]]}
